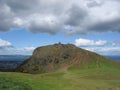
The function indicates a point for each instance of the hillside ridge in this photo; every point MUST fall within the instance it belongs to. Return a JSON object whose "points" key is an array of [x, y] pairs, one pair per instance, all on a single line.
{"points": [[61, 57]]}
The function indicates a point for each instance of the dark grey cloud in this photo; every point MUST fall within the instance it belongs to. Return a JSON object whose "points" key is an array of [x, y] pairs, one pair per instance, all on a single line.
{"points": [[75, 16], [93, 3], [112, 26], [6, 24], [50, 27], [53, 16]]}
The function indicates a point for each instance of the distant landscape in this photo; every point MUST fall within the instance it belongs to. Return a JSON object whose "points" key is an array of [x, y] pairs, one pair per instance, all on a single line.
{"points": [[11, 62], [14, 57]]}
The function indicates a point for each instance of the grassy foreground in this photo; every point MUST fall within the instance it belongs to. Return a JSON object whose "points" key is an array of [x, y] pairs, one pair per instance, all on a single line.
{"points": [[73, 79]]}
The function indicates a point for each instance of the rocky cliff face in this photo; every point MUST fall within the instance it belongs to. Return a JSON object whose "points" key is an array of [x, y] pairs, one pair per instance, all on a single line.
{"points": [[58, 57]]}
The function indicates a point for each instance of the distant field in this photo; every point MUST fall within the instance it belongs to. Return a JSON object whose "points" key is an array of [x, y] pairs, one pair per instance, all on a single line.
{"points": [[73, 79]]}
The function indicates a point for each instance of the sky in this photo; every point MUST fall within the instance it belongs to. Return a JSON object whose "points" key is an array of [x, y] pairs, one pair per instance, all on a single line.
{"points": [[90, 24]]}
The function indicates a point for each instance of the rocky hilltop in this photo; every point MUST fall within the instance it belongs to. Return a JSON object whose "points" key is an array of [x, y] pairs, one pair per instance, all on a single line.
{"points": [[61, 57]]}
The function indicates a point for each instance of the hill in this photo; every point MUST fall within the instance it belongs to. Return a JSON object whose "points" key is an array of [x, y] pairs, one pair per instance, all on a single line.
{"points": [[69, 67], [60, 57]]}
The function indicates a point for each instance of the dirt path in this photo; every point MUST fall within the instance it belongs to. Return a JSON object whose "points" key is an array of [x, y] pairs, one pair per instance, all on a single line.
{"points": [[73, 62]]}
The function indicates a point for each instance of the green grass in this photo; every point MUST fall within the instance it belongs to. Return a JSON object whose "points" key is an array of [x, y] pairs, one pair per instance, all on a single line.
{"points": [[74, 79], [6, 83]]}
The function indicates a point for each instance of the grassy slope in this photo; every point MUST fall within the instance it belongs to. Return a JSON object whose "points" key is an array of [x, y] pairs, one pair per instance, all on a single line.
{"points": [[105, 78], [93, 72]]}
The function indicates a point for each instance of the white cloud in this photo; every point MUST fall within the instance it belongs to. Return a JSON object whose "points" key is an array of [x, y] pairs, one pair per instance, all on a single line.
{"points": [[116, 43], [23, 51], [4, 43], [28, 49], [6, 48], [53, 16], [87, 42], [18, 51], [105, 50], [100, 43]]}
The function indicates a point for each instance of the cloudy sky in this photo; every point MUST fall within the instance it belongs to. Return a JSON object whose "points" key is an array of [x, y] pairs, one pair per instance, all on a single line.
{"points": [[90, 24]]}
